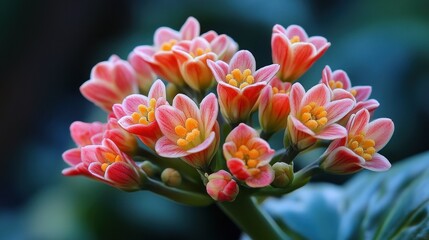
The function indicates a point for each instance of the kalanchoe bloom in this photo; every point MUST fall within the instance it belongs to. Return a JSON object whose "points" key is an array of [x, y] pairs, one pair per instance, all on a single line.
{"points": [[192, 57], [83, 134], [274, 106], [231, 48], [371, 105], [189, 133], [144, 73], [313, 115], [239, 85], [125, 141], [160, 56], [108, 164], [248, 156], [340, 80], [136, 114], [359, 149], [111, 81], [221, 187], [295, 51]]}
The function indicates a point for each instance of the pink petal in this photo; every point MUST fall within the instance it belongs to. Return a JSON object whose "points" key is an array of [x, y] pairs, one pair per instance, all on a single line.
{"points": [[88, 154], [342, 161], [362, 92], [358, 122], [168, 118], [157, 90], [166, 148], [264, 178], [72, 156], [338, 109], [266, 73], [318, 42], [242, 60], [302, 53], [378, 163], [219, 45], [118, 111], [238, 169], [281, 54], [331, 132], [165, 34], [241, 134], [334, 145], [380, 130], [264, 149], [219, 69], [300, 126], [125, 77], [326, 75], [341, 76], [190, 29], [297, 93], [204, 145], [229, 148], [318, 94], [340, 93], [122, 174], [187, 106], [295, 30], [210, 35], [199, 42], [279, 29], [209, 110], [95, 169], [132, 102]]}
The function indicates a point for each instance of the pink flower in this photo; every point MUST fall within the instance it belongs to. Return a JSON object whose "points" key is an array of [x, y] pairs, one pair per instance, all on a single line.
{"points": [[231, 48], [83, 134], [111, 81], [295, 51], [192, 57], [136, 114], [144, 73], [189, 133], [125, 141], [313, 115], [359, 149], [160, 57], [221, 187], [274, 106], [371, 105], [248, 156], [339, 80], [108, 164], [239, 85]]}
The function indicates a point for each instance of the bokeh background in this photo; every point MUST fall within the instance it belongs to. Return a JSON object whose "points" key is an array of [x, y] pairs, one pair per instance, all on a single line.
{"points": [[48, 48]]}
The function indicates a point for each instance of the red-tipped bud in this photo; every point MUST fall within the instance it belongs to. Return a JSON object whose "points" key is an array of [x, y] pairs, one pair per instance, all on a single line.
{"points": [[221, 187]]}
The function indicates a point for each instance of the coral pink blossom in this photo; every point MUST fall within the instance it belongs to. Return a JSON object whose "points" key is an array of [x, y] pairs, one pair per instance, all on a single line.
{"points": [[189, 133], [221, 187], [239, 85], [360, 148], [111, 81], [160, 57], [144, 73], [295, 51], [136, 114], [248, 156], [192, 57], [314, 115], [231, 48], [125, 141], [83, 134], [340, 80], [274, 106], [108, 164]]}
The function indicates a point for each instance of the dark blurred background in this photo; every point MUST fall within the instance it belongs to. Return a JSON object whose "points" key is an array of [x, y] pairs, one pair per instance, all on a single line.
{"points": [[49, 47]]}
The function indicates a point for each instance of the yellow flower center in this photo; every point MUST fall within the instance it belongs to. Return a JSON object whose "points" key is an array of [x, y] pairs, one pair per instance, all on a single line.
{"points": [[276, 90], [250, 157], [335, 84], [240, 79], [362, 146], [167, 46], [313, 116], [199, 51], [189, 135], [110, 158], [295, 39], [145, 114], [353, 92]]}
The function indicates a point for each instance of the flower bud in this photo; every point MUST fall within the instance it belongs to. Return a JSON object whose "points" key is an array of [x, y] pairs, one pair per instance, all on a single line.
{"points": [[221, 187], [149, 168], [171, 177], [283, 174]]}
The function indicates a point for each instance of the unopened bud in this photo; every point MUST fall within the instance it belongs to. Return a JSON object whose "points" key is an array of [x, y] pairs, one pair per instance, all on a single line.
{"points": [[283, 174], [149, 168], [221, 187], [171, 177]]}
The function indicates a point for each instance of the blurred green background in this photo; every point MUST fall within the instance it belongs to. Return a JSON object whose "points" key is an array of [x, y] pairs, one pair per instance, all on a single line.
{"points": [[49, 47]]}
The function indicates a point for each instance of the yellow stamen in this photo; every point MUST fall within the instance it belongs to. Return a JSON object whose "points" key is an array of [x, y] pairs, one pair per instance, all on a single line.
{"points": [[145, 114], [190, 124], [188, 134], [295, 39], [104, 166], [251, 163], [182, 142], [362, 146], [353, 92], [253, 153], [180, 131], [167, 46], [335, 84], [314, 116], [240, 79]]}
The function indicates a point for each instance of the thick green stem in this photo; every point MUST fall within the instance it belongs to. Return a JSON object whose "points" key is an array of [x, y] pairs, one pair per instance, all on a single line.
{"points": [[289, 155], [178, 195], [251, 219]]}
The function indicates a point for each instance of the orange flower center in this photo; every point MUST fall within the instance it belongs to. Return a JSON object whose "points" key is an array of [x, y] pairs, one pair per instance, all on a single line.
{"points": [[335, 84], [295, 39], [362, 146], [199, 51], [314, 116], [250, 157], [189, 135], [145, 114], [240, 79], [353, 92], [109, 159], [167, 46], [276, 90]]}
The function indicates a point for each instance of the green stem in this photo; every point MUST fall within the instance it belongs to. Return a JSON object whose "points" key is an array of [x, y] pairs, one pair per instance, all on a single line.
{"points": [[178, 195], [251, 219], [289, 155]]}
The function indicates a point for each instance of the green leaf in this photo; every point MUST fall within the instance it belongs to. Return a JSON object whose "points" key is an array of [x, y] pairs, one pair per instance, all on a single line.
{"points": [[389, 205]]}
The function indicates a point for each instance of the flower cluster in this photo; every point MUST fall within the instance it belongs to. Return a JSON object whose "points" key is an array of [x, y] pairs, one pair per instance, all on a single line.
{"points": [[164, 130]]}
